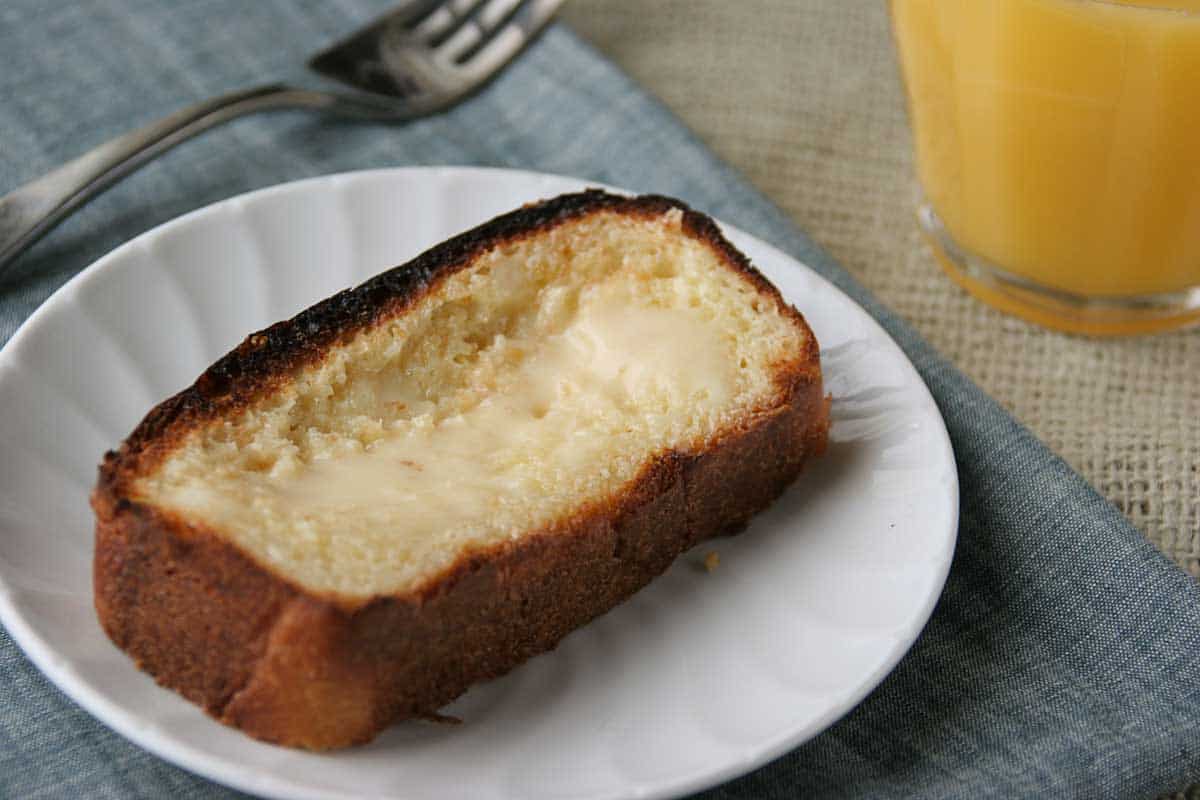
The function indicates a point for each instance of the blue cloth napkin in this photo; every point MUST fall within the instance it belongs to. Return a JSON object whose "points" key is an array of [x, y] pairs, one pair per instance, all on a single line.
{"points": [[1062, 658]]}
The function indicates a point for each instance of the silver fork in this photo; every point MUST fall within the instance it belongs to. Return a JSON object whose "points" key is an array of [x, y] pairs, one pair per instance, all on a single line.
{"points": [[418, 59]]}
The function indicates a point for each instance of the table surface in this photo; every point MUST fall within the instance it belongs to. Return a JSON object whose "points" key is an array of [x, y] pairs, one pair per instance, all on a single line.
{"points": [[803, 96]]}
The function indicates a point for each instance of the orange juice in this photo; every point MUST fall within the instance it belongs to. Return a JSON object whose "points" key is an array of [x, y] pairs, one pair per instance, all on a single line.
{"points": [[1059, 140]]}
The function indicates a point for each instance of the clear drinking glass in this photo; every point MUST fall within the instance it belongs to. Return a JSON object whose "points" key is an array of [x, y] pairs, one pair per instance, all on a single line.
{"points": [[1058, 150]]}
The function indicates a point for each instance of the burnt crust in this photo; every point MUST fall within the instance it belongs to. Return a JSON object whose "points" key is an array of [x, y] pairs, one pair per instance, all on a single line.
{"points": [[320, 671]]}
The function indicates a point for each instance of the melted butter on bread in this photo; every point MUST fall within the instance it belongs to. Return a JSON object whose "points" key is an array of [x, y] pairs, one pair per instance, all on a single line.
{"points": [[539, 379]]}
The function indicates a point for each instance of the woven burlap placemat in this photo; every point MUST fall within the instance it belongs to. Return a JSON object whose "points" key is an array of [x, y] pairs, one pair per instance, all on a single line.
{"points": [[803, 96]]}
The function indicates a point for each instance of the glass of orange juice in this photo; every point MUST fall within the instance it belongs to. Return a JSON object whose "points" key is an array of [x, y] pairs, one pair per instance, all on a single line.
{"points": [[1058, 150]]}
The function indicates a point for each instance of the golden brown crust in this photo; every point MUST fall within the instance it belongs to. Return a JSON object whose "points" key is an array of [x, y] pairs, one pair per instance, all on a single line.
{"points": [[292, 667]]}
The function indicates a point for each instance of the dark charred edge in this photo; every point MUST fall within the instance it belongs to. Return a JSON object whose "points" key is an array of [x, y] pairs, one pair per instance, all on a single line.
{"points": [[265, 358]]}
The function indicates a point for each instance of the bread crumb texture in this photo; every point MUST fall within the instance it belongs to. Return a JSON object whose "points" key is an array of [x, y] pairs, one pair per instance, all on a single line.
{"points": [[537, 380]]}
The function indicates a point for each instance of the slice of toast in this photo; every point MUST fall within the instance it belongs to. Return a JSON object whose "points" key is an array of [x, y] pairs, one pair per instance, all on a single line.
{"points": [[421, 482]]}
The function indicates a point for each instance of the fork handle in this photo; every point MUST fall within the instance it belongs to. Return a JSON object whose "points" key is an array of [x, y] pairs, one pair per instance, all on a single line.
{"points": [[30, 211]]}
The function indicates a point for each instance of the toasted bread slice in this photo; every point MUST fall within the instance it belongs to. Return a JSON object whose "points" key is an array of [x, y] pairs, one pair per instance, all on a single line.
{"points": [[421, 482]]}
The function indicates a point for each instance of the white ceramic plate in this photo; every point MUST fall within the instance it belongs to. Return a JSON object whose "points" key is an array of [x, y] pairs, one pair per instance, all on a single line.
{"points": [[699, 678]]}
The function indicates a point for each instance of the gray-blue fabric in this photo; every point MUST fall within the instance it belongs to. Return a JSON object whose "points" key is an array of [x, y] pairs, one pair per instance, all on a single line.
{"points": [[1062, 659]]}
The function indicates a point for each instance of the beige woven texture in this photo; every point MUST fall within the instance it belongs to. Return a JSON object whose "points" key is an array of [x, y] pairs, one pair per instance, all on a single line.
{"points": [[803, 96]]}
